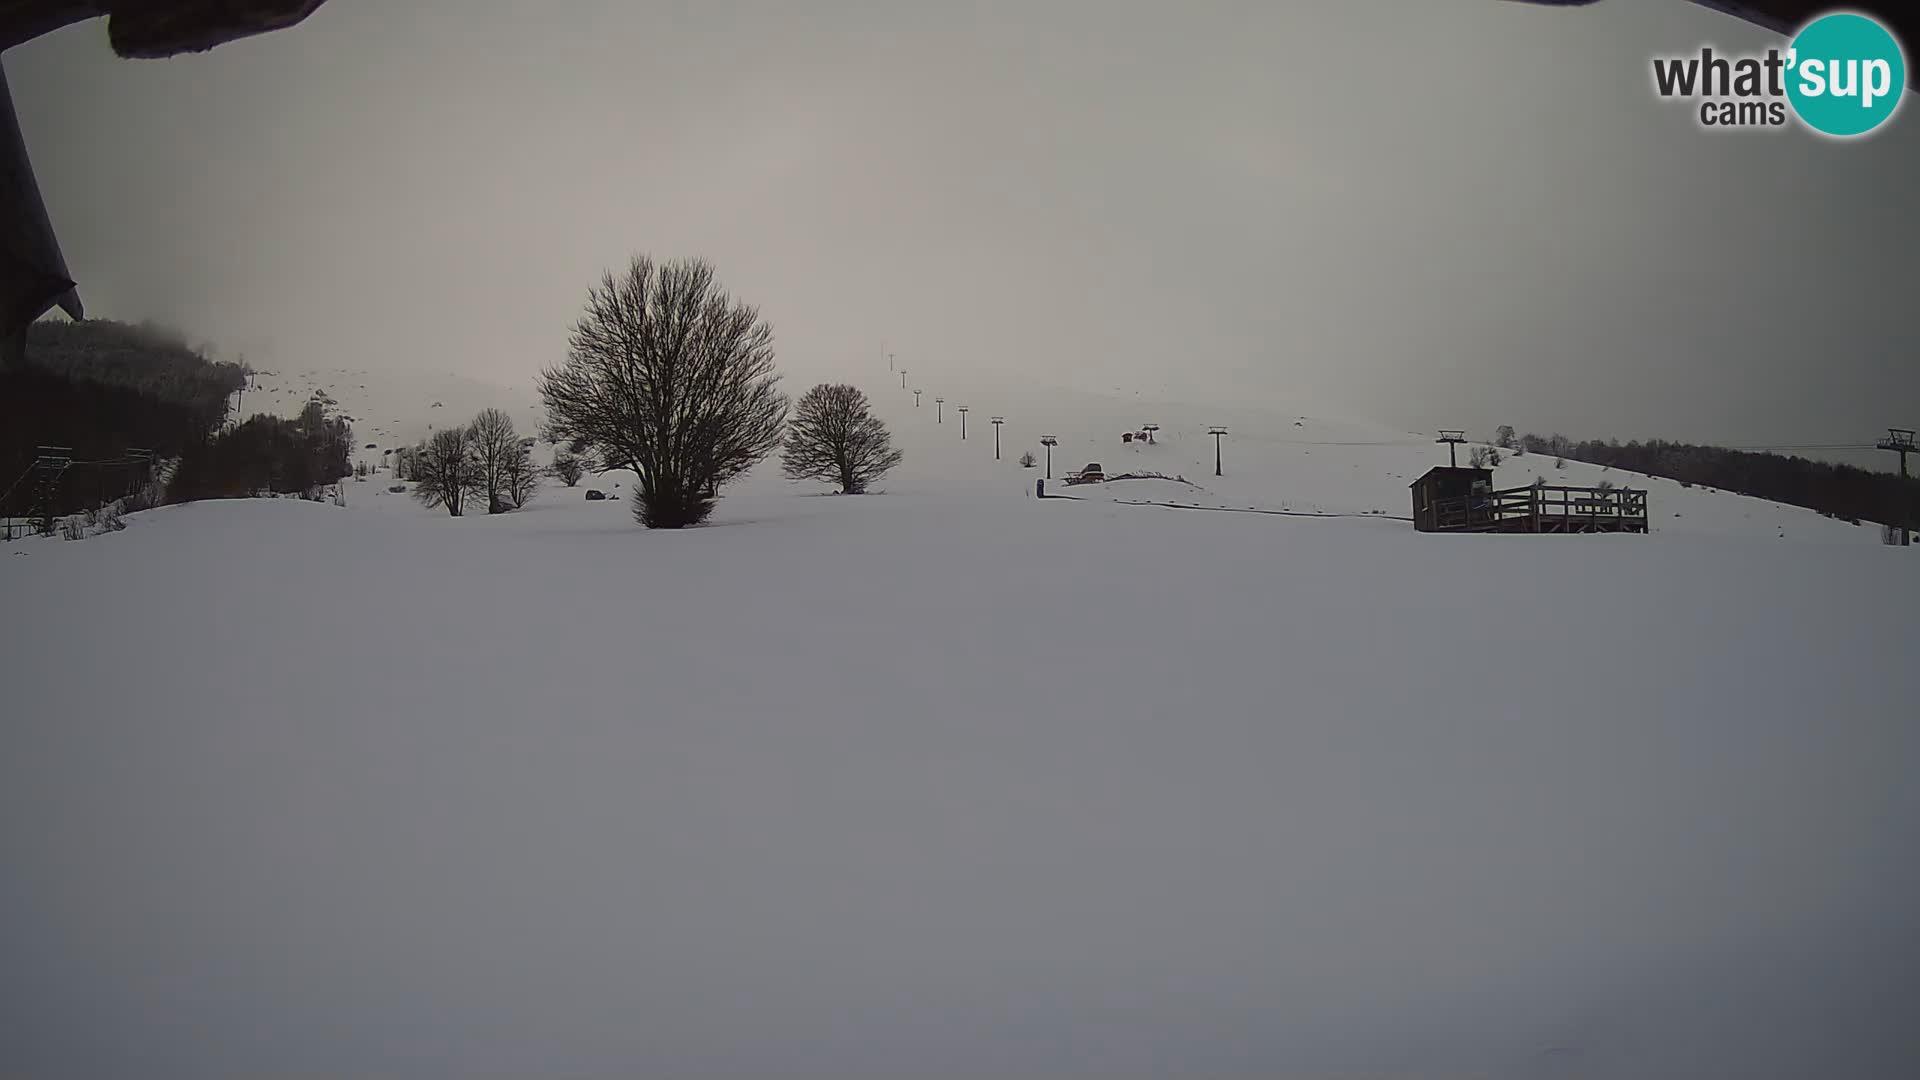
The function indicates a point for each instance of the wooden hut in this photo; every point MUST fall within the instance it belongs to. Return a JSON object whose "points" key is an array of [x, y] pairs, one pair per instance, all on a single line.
{"points": [[1443, 484]]}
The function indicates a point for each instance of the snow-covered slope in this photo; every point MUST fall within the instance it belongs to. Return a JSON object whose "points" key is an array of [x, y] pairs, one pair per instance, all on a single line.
{"points": [[951, 785], [952, 781], [388, 408], [1274, 460]]}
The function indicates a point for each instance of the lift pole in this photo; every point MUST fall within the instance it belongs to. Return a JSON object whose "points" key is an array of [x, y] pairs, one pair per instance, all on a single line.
{"points": [[1900, 441]]}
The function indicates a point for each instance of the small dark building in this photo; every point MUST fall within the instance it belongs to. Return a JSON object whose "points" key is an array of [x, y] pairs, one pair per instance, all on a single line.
{"points": [[1445, 483]]}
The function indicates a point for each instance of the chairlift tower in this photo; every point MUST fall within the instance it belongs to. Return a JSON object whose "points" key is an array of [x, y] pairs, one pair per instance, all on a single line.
{"points": [[1216, 431], [1900, 441], [963, 423], [916, 399], [49, 466], [1452, 439], [939, 412], [1150, 429], [997, 421], [1049, 442], [903, 378]]}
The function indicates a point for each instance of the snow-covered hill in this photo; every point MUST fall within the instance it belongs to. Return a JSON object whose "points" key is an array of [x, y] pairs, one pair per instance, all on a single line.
{"points": [[387, 408], [1274, 460], [952, 781]]}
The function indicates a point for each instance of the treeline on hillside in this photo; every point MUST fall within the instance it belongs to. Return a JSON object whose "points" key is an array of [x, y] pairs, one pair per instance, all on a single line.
{"points": [[101, 387], [148, 359], [267, 454], [1842, 491]]}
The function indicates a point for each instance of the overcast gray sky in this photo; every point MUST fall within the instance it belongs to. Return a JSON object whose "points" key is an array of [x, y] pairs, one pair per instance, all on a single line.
{"points": [[1427, 213]]}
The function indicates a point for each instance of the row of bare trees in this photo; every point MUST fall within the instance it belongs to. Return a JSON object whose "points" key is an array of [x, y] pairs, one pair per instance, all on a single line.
{"points": [[485, 461], [669, 376]]}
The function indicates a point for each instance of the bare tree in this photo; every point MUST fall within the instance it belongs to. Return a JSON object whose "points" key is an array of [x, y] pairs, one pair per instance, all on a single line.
{"points": [[1477, 458], [496, 446], [520, 481], [444, 472], [1503, 436], [835, 438], [1027, 460], [567, 467], [669, 376]]}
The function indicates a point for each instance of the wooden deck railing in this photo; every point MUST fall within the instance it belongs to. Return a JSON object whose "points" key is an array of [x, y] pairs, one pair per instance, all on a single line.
{"points": [[1517, 509]]}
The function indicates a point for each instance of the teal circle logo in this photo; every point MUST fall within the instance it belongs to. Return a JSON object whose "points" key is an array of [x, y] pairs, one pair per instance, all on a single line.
{"points": [[1845, 74]]}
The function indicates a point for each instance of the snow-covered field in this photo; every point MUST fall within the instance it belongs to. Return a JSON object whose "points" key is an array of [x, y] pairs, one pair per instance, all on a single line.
{"points": [[955, 782]]}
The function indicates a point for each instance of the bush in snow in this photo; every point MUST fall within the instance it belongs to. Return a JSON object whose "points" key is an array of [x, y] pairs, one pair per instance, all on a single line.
{"points": [[1028, 461], [670, 377], [833, 437]]}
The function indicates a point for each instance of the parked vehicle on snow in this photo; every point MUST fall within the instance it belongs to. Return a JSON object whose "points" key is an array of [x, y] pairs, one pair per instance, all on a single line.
{"points": [[1092, 474]]}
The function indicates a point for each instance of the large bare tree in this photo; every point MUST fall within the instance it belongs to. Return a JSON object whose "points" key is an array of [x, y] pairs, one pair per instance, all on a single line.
{"points": [[834, 437], [444, 471], [496, 450], [669, 376]]}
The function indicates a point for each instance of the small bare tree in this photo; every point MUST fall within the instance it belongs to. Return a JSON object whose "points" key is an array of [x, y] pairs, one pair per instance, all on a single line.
{"points": [[1027, 460], [520, 480], [669, 376], [444, 472], [834, 437], [496, 447], [567, 468]]}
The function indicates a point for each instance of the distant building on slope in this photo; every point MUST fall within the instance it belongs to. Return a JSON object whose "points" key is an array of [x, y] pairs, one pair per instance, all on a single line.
{"points": [[1451, 499]]}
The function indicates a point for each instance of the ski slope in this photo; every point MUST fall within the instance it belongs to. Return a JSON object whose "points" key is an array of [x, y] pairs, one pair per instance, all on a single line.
{"points": [[951, 781], [1274, 460]]}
